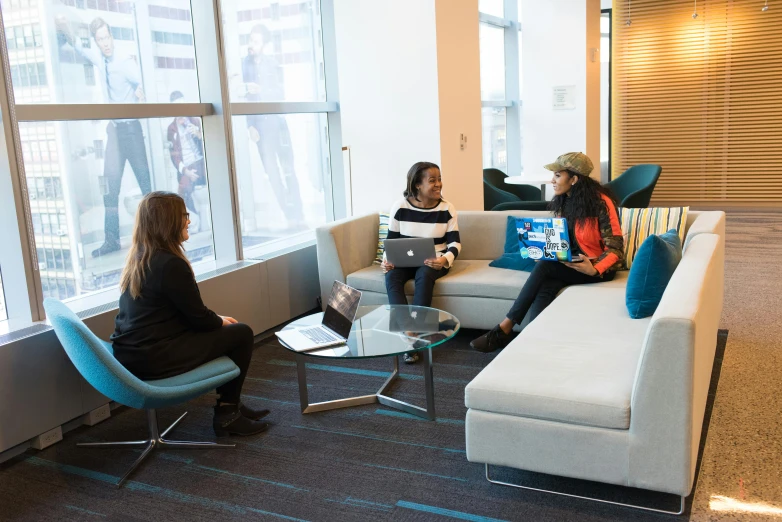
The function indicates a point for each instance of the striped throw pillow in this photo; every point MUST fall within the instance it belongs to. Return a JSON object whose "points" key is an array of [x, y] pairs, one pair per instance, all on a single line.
{"points": [[640, 223], [382, 233]]}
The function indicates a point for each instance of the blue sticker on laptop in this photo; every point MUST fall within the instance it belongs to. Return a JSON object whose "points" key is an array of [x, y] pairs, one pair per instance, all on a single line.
{"points": [[544, 238]]}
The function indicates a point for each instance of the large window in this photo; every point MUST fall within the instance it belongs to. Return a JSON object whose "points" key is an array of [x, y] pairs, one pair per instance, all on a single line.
{"points": [[605, 95], [85, 178], [500, 51], [275, 65], [111, 102]]}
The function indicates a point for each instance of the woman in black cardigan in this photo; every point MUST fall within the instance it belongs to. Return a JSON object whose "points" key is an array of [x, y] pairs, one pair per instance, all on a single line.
{"points": [[163, 327]]}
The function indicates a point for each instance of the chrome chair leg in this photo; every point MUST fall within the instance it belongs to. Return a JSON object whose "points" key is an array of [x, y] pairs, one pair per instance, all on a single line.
{"points": [[155, 441]]}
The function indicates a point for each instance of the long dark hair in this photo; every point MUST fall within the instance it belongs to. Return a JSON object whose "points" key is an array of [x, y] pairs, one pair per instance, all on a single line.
{"points": [[160, 220], [584, 201], [415, 177]]}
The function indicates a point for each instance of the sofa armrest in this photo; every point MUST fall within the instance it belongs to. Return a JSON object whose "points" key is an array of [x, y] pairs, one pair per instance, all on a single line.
{"points": [[674, 372], [705, 222], [344, 247]]}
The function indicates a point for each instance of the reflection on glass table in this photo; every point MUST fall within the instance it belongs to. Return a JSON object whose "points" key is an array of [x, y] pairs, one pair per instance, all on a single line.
{"points": [[382, 331]]}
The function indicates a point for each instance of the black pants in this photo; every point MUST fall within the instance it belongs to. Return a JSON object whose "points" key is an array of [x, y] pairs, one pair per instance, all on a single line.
{"points": [[275, 145], [543, 285], [424, 284], [190, 351], [124, 143]]}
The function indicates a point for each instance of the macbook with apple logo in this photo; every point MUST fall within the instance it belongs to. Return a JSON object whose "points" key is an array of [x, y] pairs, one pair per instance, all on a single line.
{"points": [[409, 251]]}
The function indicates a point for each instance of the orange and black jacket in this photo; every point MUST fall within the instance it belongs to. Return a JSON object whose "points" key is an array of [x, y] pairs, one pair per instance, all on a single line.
{"points": [[601, 239]]}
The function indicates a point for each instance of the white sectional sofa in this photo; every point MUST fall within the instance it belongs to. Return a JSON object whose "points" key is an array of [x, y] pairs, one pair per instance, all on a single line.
{"points": [[584, 391]]}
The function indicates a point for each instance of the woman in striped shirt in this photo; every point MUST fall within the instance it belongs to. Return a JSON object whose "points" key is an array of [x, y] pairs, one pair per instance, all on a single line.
{"points": [[422, 213]]}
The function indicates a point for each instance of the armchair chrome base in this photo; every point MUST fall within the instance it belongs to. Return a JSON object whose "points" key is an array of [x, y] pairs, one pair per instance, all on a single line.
{"points": [[378, 397], [633, 506], [156, 440]]}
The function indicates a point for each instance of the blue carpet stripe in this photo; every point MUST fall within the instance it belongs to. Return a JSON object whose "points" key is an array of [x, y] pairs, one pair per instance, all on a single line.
{"points": [[85, 511], [449, 450], [410, 416], [364, 504], [446, 512], [155, 490], [416, 472], [368, 373]]}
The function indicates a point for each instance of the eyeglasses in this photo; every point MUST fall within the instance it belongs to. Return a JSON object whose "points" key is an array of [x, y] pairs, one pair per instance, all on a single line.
{"points": [[187, 216]]}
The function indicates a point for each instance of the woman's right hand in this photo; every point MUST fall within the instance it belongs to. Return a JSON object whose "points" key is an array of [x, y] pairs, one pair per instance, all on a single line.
{"points": [[385, 266], [228, 320]]}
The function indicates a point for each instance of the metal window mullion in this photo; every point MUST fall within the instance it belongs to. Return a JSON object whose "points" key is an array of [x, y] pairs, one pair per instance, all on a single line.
{"points": [[218, 133], [512, 90], [110, 111], [494, 20], [246, 108], [336, 184], [21, 273]]}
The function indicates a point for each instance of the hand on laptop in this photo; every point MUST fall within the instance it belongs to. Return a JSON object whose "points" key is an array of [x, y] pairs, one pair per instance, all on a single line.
{"points": [[438, 263], [385, 266], [585, 266]]}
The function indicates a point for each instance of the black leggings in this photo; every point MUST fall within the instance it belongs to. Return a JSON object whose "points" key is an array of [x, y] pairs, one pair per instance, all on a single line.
{"points": [[190, 351], [543, 285]]}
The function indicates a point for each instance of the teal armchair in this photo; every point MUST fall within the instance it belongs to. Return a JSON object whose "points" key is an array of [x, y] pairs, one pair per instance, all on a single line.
{"points": [[95, 360], [633, 189]]}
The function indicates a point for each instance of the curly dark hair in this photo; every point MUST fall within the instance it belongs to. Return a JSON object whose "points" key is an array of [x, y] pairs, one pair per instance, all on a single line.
{"points": [[415, 177], [584, 201]]}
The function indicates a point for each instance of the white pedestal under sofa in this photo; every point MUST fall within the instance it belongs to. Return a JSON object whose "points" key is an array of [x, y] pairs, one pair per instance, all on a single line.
{"points": [[584, 391]]}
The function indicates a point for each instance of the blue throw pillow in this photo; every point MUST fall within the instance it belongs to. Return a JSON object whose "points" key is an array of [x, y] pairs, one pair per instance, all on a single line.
{"points": [[512, 259], [653, 266]]}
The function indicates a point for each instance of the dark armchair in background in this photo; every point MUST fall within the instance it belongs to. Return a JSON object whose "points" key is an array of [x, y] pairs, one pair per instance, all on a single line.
{"points": [[633, 189], [496, 178], [492, 196]]}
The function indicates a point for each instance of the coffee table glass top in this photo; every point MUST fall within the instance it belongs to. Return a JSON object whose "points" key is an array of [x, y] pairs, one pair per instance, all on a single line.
{"points": [[384, 330]]}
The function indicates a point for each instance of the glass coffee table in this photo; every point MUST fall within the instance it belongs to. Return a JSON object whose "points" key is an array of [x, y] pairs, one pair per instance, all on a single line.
{"points": [[381, 331]]}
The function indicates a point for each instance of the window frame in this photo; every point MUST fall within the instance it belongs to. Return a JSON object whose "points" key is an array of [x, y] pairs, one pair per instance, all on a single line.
{"points": [[20, 263], [512, 103]]}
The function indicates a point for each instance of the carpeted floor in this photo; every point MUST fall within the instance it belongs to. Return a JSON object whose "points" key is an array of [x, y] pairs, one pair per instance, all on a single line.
{"points": [[357, 464]]}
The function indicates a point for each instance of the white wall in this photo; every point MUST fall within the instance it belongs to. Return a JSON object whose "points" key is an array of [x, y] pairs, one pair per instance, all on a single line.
{"points": [[387, 62], [554, 43]]}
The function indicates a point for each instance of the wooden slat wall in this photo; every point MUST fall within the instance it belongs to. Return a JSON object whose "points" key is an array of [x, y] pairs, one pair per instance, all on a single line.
{"points": [[702, 98]]}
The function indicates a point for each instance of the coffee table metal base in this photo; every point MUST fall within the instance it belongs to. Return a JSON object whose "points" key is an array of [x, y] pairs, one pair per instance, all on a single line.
{"points": [[379, 397]]}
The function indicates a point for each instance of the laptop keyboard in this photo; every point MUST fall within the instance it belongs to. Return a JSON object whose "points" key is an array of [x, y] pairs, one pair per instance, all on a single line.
{"points": [[319, 335]]}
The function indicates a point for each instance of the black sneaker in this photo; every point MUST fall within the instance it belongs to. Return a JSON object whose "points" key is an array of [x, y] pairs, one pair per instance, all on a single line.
{"points": [[410, 357], [251, 413], [492, 340], [228, 420], [106, 248]]}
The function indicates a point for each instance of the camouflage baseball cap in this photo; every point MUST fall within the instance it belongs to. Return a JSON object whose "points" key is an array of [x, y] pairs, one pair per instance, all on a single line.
{"points": [[578, 162]]}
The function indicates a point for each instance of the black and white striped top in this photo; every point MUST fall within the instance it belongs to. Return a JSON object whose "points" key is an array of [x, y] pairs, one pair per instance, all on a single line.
{"points": [[438, 222]]}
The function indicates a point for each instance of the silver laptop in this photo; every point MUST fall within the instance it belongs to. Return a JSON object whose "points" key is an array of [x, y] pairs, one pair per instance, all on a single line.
{"points": [[409, 251], [335, 326]]}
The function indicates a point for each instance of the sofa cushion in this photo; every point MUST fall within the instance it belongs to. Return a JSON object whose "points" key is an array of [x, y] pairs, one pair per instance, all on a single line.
{"points": [[382, 233], [469, 278], [575, 363], [640, 223], [511, 259], [654, 265]]}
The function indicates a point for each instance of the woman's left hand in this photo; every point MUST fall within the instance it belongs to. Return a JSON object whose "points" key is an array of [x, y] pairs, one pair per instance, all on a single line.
{"points": [[438, 263], [585, 266]]}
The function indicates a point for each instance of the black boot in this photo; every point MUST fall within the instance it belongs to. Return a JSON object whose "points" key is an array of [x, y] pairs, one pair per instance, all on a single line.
{"points": [[251, 413], [492, 340], [228, 420]]}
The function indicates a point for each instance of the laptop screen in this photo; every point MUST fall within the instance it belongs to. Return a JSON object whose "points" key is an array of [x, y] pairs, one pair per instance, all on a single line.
{"points": [[341, 308]]}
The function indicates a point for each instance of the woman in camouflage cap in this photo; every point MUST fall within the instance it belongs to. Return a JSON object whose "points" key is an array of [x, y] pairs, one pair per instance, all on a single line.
{"points": [[596, 235]]}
